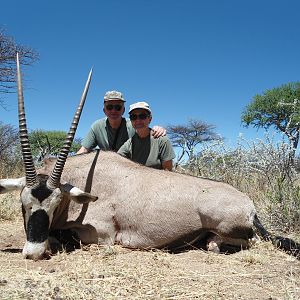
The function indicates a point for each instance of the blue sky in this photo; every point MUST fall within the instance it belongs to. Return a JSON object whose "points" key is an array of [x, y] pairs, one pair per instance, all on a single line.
{"points": [[188, 59]]}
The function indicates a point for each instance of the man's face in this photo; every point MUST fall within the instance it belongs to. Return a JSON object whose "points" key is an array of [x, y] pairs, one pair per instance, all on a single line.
{"points": [[114, 109]]}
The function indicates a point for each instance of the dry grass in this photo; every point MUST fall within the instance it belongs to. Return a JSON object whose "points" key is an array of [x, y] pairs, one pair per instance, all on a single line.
{"points": [[10, 206], [118, 273]]}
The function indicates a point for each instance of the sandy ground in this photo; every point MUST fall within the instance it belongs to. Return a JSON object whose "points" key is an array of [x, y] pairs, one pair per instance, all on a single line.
{"points": [[94, 272]]}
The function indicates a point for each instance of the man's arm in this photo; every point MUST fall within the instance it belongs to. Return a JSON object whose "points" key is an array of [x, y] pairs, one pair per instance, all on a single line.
{"points": [[158, 131], [167, 165], [83, 150]]}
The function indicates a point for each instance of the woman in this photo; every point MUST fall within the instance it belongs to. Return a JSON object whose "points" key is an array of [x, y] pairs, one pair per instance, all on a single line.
{"points": [[142, 147]]}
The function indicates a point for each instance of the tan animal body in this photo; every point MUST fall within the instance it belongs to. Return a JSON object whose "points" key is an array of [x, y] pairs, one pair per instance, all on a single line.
{"points": [[141, 207]]}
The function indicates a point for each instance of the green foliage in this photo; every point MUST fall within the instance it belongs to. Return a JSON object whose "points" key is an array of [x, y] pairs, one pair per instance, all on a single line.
{"points": [[278, 107], [42, 143], [274, 108], [45, 143]]}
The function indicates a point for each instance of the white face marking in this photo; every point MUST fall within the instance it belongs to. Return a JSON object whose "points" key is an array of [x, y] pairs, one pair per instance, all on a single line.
{"points": [[28, 202], [52, 202], [37, 250], [32, 204], [34, 251]]}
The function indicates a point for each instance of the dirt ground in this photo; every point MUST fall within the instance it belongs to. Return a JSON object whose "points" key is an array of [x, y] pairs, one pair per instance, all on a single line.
{"points": [[94, 272]]}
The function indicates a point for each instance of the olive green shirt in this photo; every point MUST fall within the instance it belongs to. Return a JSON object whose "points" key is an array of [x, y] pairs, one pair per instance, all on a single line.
{"points": [[101, 134], [148, 151]]}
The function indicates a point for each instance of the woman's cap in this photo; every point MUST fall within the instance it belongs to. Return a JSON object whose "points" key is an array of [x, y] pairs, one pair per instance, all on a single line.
{"points": [[113, 95], [142, 105]]}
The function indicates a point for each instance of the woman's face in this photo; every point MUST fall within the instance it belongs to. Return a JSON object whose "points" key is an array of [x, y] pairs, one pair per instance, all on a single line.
{"points": [[140, 118]]}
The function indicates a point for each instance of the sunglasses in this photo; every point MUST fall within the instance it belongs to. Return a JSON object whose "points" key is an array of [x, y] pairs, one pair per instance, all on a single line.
{"points": [[116, 107], [134, 117]]}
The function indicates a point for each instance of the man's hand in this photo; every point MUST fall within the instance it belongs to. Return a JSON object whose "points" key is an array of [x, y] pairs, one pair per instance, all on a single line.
{"points": [[158, 131], [83, 150]]}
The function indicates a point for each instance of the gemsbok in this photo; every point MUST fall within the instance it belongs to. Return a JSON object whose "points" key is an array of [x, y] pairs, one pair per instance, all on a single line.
{"points": [[137, 206]]}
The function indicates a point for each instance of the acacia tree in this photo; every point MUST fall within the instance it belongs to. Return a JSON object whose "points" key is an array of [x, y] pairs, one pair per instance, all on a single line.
{"points": [[278, 108], [188, 137], [45, 143], [8, 49]]}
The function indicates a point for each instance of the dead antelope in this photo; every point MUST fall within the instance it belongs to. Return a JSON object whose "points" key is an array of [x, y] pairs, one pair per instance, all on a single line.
{"points": [[137, 206]]}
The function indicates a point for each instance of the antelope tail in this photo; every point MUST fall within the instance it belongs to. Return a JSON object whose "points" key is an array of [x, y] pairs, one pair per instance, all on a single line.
{"points": [[286, 244]]}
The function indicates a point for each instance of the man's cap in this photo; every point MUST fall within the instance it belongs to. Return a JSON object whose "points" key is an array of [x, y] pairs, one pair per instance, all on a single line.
{"points": [[142, 105], [113, 95]]}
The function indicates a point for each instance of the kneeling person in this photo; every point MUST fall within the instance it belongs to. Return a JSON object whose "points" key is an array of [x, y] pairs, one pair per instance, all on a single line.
{"points": [[142, 147]]}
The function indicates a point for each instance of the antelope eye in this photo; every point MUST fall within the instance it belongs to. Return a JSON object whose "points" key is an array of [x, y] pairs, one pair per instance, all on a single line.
{"points": [[28, 207]]}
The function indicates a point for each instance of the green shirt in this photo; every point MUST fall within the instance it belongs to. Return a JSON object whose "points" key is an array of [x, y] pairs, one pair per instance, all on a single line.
{"points": [[148, 151], [101, 134]]}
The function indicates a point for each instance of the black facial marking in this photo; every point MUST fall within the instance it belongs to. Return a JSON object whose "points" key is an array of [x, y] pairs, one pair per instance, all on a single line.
{"points": [[23, 213], [38, 227], [41, 192]]}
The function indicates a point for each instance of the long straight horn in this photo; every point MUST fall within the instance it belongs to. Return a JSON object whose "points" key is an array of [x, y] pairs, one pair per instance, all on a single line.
{"points": [[26, 152], [54, 179]]}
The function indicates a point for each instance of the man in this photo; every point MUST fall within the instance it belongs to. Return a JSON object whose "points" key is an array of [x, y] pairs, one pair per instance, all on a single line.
{"points": [[111, 132]]}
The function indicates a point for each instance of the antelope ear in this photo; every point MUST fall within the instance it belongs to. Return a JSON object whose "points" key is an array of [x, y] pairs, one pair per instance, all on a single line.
{"points": [[77, 194], [8, 185]]}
